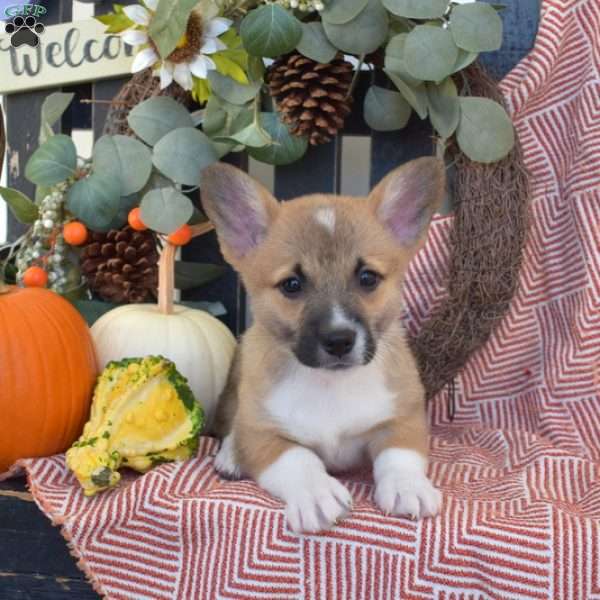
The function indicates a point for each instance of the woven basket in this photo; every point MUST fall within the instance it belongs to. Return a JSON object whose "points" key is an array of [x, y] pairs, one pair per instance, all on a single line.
{"points": [[140, 87], [488, 234]]}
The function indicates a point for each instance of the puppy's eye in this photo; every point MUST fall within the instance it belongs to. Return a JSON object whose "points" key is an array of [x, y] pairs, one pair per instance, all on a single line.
{"points": [[368, 279], [291, 286]]}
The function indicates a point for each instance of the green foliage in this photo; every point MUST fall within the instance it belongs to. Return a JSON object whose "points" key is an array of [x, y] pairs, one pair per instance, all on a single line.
{"points": [[124, 158], [385, 110], [284, 148], [95, 200], [314, 43], [169, 24], [485, 132], [54, 161], [363, 34], [270, 31], [117, 21], [394, 59], [430, 53], [230, 90], [338, 12], [415, 95], [182, 154], [166, 209], [417, 9], [23, 209], [444, 108], [190, 275], [152, 119], [476, 27], [53, 109]]}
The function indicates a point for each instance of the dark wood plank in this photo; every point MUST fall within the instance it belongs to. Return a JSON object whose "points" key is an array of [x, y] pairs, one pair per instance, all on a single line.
{"points": [[227, 289], [521, 18], [34, 558], [391, 149], [23, 124], [318, 171], [31, 586], [104, 91]]}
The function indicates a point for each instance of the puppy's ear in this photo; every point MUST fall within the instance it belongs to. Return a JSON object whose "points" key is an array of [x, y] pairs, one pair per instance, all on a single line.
{"points": [[405, 200], [240, 208]]}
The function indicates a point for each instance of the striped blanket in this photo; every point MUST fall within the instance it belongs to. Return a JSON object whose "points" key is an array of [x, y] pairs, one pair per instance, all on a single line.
{"points": [[519, 466]]}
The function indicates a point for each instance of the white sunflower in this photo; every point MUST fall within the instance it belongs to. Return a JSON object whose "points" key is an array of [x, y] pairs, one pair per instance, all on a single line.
{"points": [[191, 57]]}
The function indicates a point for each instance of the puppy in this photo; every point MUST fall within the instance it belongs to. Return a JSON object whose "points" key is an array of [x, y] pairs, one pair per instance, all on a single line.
{"points": [[323, 380]]}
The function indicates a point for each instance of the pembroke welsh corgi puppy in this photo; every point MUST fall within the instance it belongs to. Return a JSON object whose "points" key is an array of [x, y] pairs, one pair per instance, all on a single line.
{"points": [[323, 380]]}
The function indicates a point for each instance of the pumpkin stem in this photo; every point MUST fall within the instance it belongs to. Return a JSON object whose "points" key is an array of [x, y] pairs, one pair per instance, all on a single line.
{"points": [[166, 270], [166, 279]]}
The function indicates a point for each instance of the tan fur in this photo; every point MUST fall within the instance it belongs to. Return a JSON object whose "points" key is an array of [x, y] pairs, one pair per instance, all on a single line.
{"points": [[295, 237]]}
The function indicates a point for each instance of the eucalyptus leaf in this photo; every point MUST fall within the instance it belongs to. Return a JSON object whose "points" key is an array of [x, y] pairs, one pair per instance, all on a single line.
{"points": [[182, 154], [430, 53], [270, 31], [53, 109], [152, 119], [125, 158], [314, 43], [415, 95], [165, 209], [285, 147], [54, 161], [464, 60], [338, 12], [169, 23], [252, 136], [230, 90], [95, 200], [256, 68], [417, 9], [215, 117], [385, 110], [363, 34], [126, 203], [444, 108], [190, 275], [476, 27], [485, 132], [23, 209], [394, 58]]}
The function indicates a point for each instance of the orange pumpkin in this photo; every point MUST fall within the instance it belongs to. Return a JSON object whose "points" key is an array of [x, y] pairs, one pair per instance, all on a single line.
{"points": [[47, 374]]}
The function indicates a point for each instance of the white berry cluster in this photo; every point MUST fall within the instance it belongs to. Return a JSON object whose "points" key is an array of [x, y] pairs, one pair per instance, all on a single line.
{"points": [[302, 5], [45, 246]]}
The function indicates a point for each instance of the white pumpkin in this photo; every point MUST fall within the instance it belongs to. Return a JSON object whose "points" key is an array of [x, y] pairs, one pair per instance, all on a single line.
{"points": [[200, 345]]}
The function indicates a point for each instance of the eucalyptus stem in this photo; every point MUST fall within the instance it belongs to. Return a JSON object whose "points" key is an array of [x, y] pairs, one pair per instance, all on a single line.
{"points": [[361, 60]]}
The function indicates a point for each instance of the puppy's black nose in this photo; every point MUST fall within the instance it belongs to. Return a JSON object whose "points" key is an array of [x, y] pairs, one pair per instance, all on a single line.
{"points": [[338, 342]]}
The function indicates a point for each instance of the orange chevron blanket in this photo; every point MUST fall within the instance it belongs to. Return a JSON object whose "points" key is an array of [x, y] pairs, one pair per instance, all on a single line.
{"points": [[519, 466]]}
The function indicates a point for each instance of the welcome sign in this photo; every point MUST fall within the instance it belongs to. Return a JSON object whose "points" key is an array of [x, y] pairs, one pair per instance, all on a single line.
{"points": [[33, 56]]}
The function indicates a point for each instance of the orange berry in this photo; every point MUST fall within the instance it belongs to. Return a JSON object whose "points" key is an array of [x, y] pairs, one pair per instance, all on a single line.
{"points": [[35, 277], [135, 220], [75, 233], [181, 236]]}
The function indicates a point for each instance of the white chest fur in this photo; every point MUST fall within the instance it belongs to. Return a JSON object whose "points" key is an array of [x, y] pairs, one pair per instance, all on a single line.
{"points": [[329, 411]]}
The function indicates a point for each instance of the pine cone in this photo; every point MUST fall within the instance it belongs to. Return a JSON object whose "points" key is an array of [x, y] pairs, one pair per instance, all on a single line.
{"points": [[121, 265], [313, 98]]}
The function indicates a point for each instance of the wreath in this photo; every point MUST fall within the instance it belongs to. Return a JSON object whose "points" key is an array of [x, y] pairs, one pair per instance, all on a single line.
{"points": [[271, 79]]}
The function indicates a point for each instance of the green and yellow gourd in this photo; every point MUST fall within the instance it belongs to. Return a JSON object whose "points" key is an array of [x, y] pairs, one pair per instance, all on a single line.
{"points": [[143, 413]]}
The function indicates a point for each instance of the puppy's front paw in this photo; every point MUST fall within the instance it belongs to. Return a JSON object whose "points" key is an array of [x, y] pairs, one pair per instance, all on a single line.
{"points": [[314, 500], [318, 505], [225, 461], [414, 497], [401, 486]]}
